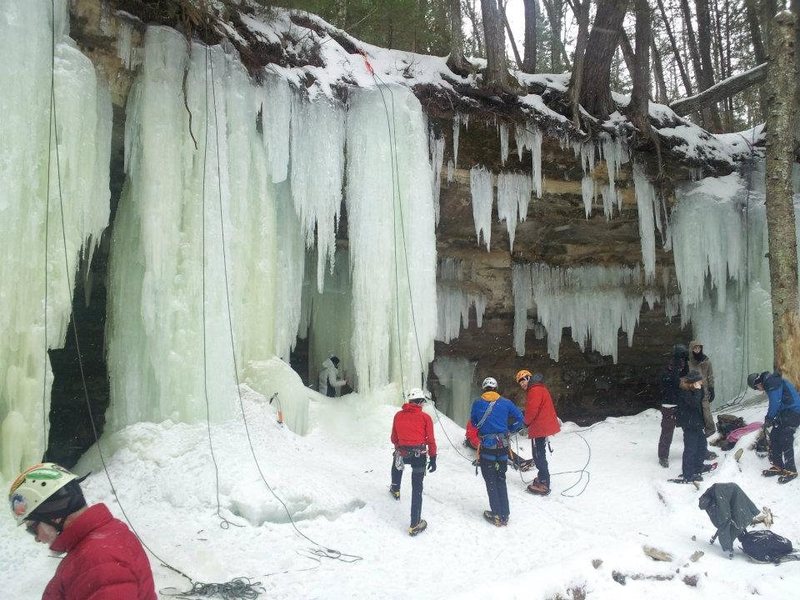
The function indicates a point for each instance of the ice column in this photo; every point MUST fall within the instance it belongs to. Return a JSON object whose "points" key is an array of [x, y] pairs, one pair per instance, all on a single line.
{"points": [[436, 148], [454, 301], [392, 240], [457, 390], [503, 128], [646, 204], [83, 115], [482, 190], [317, 168], [530, 137], [513, 195]]}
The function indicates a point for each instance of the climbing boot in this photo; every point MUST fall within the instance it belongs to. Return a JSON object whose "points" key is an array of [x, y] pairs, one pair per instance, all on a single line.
{"points": [[493, 518], [418, 528], [538, 488], [664, 462], [787, 477], [711, 455], [773, 471], [394, 493]]}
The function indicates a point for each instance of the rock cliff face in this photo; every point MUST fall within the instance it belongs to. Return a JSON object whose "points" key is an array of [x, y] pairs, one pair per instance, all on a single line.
{"points": [[586, 385]]}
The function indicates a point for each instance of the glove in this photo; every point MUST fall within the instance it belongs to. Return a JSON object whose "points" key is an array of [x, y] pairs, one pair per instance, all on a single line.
{"points": [[432, 465]]}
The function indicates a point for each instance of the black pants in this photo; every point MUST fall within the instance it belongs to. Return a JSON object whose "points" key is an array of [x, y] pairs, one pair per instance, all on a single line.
{"points": [[539, 449], [667, 430], [694, 451], [493, 469], [418, 465], [781, 440]]}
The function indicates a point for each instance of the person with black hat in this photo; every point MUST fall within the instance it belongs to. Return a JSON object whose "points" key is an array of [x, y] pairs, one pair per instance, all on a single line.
{"points": [[670, 382], [783, 415], [689, 417], [104, 560], [329, 382]]}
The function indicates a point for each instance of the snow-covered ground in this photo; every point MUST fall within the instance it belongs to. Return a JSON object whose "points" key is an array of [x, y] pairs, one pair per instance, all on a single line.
{"points": [[334, 482]]}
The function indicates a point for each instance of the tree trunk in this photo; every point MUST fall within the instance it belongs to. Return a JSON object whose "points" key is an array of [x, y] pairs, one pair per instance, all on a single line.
{"points": [[640, 97], [456, 61], [627, 52], [691, 42], [782, 86], [557, 50], [531, 16], [496, 65], [477, 30], [760, 54], [720, 91], [706, 76], [511, 39], [595, 93], [658, 73], [687, 82], [576, 79]]}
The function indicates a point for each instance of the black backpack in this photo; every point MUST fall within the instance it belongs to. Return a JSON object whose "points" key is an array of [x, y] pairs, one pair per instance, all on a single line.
{"points": [[764, 545]]}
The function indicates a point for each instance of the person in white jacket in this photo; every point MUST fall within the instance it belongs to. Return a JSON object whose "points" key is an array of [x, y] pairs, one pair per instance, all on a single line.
{"points": [[329, 382]]}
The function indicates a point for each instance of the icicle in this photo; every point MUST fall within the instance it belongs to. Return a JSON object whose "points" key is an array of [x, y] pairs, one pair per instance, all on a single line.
{"points": [[456, 134], [436, 149], [587, 193], [645, 201], [276, 118], [482, 198], [454, 302], [503, 142], [451, 171], [513, 193], [125, 49], [530, 137], [317, 166], [521, 290]]}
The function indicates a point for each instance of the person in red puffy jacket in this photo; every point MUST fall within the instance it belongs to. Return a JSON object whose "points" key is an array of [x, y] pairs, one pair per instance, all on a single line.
{"points": [[541, 421], [104, 560], [414, 442]]}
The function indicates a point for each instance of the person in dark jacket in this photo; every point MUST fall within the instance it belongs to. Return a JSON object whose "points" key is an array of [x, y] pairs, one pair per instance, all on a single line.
{"points": [[689, 417], [104, 560], [541, 421], [783, 415], [495, 418], [670, 381], [414, 442]]}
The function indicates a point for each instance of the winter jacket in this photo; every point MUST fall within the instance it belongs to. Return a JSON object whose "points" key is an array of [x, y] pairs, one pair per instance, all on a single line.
{"points": [[504, 418], [729, 509], [702, 364], [540, 414], [104, 561], [670, 380], [690, 407], [413, 427], [329, 382], [782, 395], [473, 439]]}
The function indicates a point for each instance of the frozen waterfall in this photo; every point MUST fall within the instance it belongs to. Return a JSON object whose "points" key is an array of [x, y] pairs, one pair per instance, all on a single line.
{"points": [[78, 174]]}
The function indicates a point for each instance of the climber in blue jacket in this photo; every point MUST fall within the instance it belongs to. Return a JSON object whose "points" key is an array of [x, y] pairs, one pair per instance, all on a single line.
{"points": [[783, 414], [495, 418]]}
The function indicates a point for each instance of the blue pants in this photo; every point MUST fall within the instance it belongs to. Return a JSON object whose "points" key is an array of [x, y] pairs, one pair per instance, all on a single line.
{"points": [[539, 448], [418, 464], [695, 448], [493, 469]]}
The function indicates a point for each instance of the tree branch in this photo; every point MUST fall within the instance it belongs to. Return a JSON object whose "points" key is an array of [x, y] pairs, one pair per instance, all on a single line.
{"points": [[723, 89]]}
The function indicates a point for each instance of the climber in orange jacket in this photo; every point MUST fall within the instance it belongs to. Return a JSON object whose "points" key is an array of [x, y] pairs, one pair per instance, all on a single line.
{"points": [[541, 420]]}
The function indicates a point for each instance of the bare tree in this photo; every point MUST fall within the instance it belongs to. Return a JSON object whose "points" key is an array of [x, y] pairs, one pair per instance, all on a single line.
{"points": [[706, 74], [581, 10], [658, 73], [687, 83], [496, 64], [529, 48], [595, 88], [477, 27], [456, 60], [640, 97], [558, 54], [782, 86]]}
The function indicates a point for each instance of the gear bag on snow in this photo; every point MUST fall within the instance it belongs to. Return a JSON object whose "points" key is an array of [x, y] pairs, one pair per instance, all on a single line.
{"points": [[727, 423], [765, 546], [730, 510]]}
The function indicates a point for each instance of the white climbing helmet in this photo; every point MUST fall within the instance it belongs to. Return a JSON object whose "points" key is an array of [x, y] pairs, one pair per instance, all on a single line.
{"points": [[489, 383], [415, 395], [34, 486]]}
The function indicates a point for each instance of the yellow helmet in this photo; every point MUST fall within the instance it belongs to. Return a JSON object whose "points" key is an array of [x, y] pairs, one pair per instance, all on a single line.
{"points": [[522, 374], [35, 485]]}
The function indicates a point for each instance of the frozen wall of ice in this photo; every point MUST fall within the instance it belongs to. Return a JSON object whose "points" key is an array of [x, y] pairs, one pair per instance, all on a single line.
{"points": [[454, 301], [78, 174]]}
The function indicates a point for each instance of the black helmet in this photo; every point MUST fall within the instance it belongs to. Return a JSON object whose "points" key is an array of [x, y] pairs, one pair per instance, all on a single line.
{"points": [[680, 351], [755, 379]]}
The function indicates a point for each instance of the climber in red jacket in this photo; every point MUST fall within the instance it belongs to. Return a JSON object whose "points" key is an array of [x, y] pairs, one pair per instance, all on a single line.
{"points": [[541, 420], [104, 560], [414, 443]]}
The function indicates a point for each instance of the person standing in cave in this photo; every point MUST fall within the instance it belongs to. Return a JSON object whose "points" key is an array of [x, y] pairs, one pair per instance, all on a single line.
{"points": [[670, 384], [329, 382], [541, 421], [104, 559], [698, 361]]}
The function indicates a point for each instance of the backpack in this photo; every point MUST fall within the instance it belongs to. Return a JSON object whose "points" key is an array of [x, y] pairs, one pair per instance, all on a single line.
{"points": [[764, 545], [727, 423]]}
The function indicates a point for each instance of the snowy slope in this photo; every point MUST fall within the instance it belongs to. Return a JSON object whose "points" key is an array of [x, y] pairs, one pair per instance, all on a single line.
{"points": [[334, 481]]}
